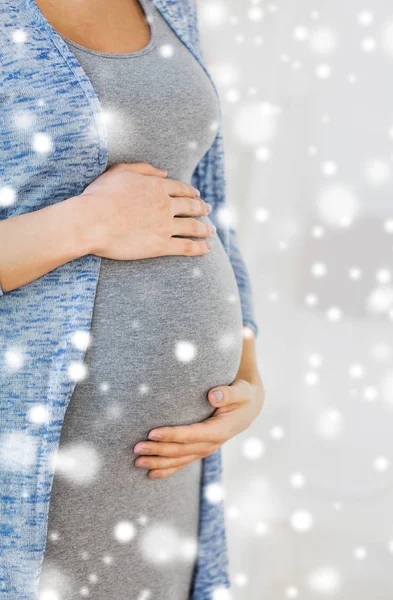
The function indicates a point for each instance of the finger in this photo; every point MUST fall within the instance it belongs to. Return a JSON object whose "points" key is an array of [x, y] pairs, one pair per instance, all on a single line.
{"points": [[173, 449], [239, 391], [189, 207], [192, 227], [160, 462], [145, 168], [174, 187], [214, 429], [186, 247], [161, 473]]}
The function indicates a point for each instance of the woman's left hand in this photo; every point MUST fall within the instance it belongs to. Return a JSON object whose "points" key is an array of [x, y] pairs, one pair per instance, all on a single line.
{"points": [[241, 402]]}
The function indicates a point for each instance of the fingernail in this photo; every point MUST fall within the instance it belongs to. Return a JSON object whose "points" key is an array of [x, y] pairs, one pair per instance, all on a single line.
{"points": [[214, 228], [142, 463], [209, 245], [140, 449], [209, 208], [155, 475], [217, 396], [164, 171], [155, 436], [197, 192]]}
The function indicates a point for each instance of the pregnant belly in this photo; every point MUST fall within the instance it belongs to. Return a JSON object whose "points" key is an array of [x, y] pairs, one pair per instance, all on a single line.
{"points": [[164, 331]]}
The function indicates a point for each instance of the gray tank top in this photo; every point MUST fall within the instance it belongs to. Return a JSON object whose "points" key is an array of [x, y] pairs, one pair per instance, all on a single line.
{"points": [[164, 331], [159, 105]]}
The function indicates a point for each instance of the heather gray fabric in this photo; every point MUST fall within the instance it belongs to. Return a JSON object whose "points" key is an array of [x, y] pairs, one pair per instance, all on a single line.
{"points": [[164, 332]]}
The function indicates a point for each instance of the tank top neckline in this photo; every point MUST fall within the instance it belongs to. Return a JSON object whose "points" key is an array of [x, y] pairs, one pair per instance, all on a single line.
{"points": [[152, 42]]}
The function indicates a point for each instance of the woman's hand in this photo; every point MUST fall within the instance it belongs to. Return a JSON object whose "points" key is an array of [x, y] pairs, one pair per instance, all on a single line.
{"points": [[241, 402], [130, 212]]}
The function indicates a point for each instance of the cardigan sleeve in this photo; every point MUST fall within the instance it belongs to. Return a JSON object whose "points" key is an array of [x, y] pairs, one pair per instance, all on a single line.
{"points": [[244, 283], [209, 177]]}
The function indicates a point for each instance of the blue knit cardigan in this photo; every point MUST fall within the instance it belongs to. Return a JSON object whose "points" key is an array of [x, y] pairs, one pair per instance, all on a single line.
{"points": [[53, 143]]}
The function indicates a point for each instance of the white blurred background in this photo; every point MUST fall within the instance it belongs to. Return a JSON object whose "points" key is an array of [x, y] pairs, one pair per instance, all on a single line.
{"points": [[306, 90]]}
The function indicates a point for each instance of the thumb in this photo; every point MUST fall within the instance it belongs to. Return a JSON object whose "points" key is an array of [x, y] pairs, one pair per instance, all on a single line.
{"points": [[238, 391], [218, 396], [144, 168]]}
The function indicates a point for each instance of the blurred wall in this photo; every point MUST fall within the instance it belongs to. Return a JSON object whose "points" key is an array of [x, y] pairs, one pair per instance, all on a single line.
{"points": [[307, 94]]}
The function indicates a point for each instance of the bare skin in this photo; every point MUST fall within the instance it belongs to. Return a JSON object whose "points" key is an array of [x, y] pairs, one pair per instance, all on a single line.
{"points": [[119, 26], [128, 212]]}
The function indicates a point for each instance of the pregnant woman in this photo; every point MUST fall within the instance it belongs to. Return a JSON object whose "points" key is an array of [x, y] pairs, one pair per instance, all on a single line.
{"points": [[113, 454]]}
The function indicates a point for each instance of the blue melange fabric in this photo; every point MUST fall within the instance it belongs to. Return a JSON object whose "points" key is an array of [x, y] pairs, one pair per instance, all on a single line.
{"points": [[53, 143]]}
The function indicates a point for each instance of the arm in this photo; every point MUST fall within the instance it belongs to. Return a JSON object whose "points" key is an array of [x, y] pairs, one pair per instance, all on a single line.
{"points": [[102, 221], [32, 244]]}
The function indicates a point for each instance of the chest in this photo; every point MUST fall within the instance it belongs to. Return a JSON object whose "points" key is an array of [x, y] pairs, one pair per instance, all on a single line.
{"points": [[160, 107], [116, 27], [52, 133]]}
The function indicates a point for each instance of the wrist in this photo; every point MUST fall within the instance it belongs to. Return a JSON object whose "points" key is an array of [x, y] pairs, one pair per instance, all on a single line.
{"points": [[84, 230], [248, 368]]}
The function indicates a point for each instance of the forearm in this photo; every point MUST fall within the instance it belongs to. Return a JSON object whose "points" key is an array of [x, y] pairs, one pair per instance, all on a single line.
{"points": [[248, 368], [35, 243]]}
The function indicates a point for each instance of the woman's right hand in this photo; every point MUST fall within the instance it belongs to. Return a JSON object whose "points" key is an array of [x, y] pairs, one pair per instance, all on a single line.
{"points": [[132, 212]]}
